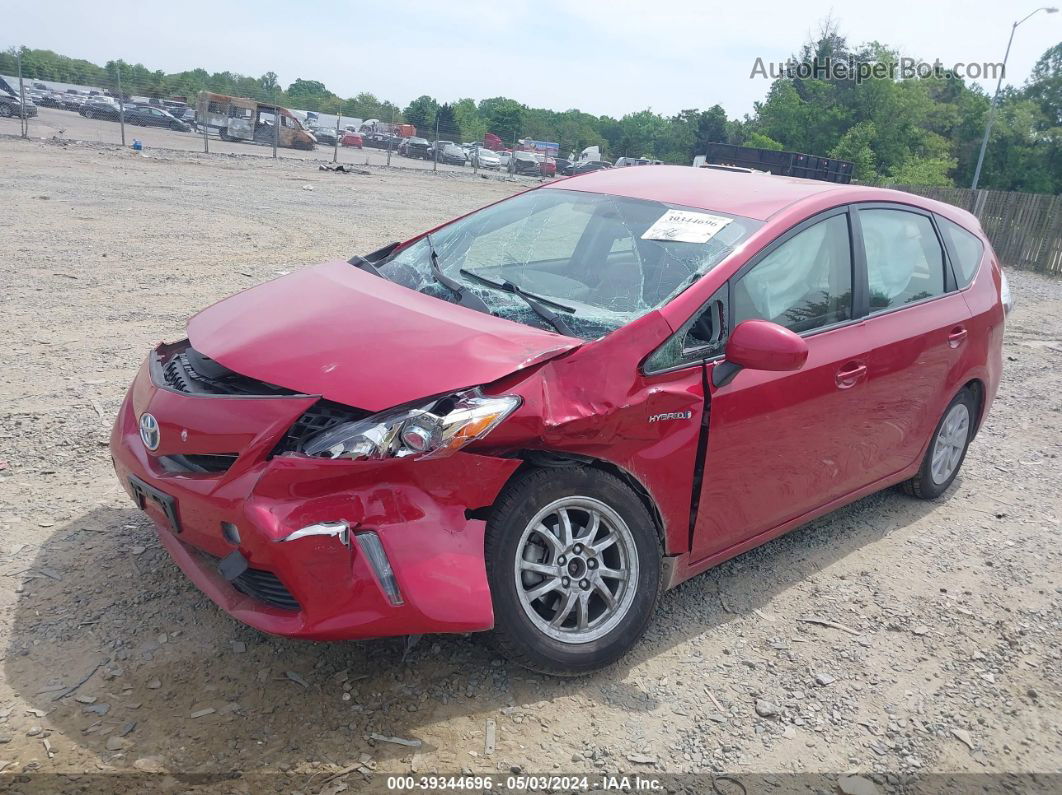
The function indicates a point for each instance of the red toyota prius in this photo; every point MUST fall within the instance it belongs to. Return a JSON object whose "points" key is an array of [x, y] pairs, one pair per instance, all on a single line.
{"points": [[535, 418]]}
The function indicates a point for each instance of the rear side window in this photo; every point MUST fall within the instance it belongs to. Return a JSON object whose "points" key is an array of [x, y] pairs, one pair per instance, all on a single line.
{"points": [[804, 284], [968, 250], [905, 262]]}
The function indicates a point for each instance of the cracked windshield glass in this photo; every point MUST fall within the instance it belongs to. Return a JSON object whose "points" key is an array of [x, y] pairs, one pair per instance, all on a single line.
{"points": [[581, 263]]}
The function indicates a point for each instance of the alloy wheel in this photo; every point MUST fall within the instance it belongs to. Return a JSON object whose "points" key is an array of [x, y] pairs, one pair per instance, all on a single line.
{"points": [[576, 569], [950, 443]]}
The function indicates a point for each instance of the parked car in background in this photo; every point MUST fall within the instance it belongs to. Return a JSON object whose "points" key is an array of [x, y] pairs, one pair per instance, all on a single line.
{"points": [[505, 158], [547, 165], [622, 162], [51, 99], [415, 147], [99, 108], [11, 105], [586, 166], [524, 163], [452, 155], [73, 101], [382, 141], [760, 348], [352, 139], [485, 158], [563, 165], [325, 136], [153, 116]]}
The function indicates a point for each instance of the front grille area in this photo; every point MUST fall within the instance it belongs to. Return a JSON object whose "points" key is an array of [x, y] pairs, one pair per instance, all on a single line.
{"points": [[192, 373], [214, 464], [321, 416], [266, 587]]}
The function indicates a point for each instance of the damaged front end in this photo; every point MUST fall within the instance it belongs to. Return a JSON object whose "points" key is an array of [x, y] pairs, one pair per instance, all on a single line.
{"points": [[262, 496]]}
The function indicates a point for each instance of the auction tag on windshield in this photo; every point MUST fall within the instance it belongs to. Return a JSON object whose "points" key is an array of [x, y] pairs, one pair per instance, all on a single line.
{"points": [[684, 226]]}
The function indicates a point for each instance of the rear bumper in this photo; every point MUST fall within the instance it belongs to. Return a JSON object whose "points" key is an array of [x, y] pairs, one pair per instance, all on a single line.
{"points": [[417, 509]]}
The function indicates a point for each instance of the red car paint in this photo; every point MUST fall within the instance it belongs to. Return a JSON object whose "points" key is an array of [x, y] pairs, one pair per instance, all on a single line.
{"points": [[782, 446], [306, 344], [352, 139]]}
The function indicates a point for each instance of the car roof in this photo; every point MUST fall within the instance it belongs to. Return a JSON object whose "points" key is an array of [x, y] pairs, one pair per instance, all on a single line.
{"points": [[755, 195]]}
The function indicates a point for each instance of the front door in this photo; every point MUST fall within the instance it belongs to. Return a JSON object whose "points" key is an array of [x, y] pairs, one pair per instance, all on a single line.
{"points": [[781, 444]]}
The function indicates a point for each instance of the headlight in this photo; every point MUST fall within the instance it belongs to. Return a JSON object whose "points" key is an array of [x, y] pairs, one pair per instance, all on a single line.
{"points": [[437, 428]]}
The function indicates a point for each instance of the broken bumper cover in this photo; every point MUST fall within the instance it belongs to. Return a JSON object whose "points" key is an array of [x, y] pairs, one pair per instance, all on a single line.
{"points": [[325, 586]]}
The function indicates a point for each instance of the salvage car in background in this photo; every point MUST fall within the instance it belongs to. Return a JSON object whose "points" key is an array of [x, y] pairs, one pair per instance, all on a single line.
{"points": [[524, 163], [244, 119], [536, 417], [352, 139], [11, 105], [326, 136]]}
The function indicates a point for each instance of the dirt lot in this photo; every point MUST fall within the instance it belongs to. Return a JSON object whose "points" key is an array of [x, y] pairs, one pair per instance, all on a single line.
{"points": [[946, 658]]}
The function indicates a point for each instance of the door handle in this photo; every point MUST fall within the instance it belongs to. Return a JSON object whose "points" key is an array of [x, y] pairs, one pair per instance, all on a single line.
{"points": [[957, 336], [850, 375]]}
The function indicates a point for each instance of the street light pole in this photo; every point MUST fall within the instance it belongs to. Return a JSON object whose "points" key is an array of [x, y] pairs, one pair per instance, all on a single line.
{"points": [[995, 97]]}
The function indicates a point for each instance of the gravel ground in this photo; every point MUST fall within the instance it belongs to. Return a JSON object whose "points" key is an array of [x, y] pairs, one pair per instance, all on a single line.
{"points": [[946, 657]]}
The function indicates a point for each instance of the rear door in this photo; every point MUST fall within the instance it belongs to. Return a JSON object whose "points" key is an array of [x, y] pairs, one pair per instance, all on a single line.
{"points": [[781, 444], [919, 326]]}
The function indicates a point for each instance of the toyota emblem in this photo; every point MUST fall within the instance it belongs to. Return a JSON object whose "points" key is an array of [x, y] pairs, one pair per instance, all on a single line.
{"points": [[149, 431]]}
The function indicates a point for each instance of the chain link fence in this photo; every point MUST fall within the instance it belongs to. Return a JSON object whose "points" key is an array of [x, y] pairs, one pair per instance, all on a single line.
{"points": [[129, 106]]}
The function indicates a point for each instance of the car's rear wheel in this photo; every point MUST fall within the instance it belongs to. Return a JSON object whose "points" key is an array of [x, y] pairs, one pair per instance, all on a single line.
{"points": [[5, 111], [573, 560], [947, 450]]}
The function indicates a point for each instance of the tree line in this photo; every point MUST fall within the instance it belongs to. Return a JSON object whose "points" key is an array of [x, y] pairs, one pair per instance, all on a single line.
{"points": [[918, 130]]}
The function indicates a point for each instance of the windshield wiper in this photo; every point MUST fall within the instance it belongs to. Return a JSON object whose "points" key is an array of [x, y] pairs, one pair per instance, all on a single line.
{"points": [[464, 297], [368, 262], [536, 302]]}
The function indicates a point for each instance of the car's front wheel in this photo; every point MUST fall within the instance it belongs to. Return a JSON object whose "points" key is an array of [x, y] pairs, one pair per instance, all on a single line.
{"points": [[947, 450], [5, 111], [573, 560]]}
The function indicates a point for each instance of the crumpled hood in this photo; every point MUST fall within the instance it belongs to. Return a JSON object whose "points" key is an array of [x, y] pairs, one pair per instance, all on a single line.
{"points": [[357, 339]]}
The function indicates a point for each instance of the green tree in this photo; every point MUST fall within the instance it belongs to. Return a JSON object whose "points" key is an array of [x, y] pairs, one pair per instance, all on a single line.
{"points": [[447, 124], [421, 113]]}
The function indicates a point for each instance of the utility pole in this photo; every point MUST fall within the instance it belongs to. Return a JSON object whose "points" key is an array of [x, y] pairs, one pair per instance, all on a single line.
{"points": [[995, 97], [121, 100]]}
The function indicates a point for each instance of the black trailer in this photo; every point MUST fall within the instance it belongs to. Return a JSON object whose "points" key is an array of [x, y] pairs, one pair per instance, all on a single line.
{"points": [[790, 164]]}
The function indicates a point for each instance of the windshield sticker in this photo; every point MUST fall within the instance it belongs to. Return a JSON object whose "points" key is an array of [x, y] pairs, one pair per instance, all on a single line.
{"points": [[683, 226]]}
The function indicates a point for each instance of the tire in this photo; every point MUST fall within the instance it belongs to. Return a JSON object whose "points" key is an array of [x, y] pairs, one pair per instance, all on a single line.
{"points": [[527, 629], [947, 449], [5, 111]]}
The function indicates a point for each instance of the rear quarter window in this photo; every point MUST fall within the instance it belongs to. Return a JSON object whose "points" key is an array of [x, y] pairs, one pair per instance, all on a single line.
{"points": [[968, 250]]}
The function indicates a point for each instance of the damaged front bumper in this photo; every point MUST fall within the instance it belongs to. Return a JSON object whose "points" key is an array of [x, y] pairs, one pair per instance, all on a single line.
{"points": [[315, 538]]}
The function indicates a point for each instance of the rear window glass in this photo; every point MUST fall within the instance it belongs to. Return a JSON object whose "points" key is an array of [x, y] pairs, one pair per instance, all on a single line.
{"points": [[968, 250]]}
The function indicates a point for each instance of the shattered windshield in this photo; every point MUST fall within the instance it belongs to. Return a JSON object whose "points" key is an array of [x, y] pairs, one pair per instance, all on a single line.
{"points": [[605, 260]]}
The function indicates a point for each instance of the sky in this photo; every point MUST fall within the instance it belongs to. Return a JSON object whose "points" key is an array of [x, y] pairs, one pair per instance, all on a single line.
{"points": [[598, 56]]}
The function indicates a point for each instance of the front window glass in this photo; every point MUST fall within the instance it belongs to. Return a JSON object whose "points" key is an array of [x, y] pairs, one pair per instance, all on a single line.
{"points": [[611, 259], [804, 284]]}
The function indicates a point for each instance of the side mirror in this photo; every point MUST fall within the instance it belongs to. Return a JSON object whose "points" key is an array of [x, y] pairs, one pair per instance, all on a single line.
{"points": [[760, 345]]}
